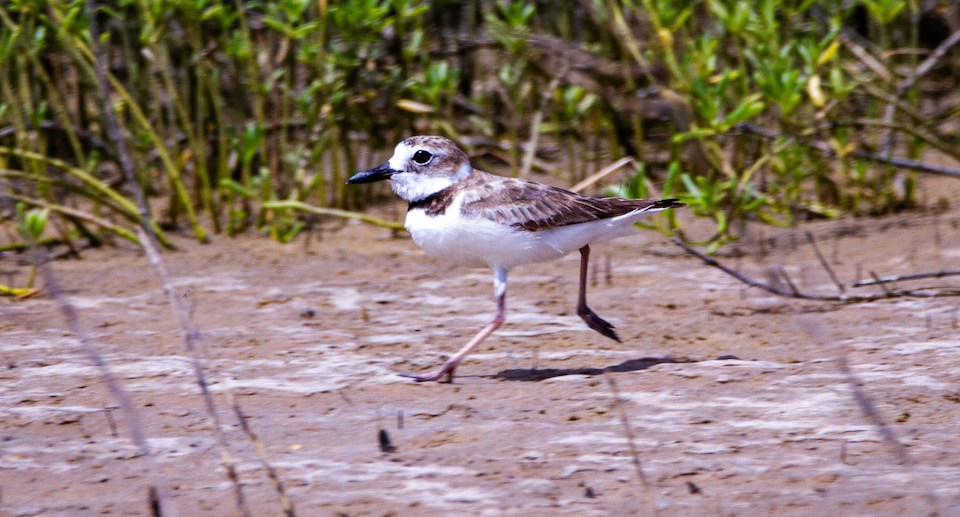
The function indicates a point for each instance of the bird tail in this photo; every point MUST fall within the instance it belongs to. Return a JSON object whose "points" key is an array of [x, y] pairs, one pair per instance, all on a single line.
{"points": [[664, 204]]}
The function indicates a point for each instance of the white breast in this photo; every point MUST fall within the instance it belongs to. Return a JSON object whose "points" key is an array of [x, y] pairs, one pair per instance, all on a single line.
{"points": [[476, 242]]}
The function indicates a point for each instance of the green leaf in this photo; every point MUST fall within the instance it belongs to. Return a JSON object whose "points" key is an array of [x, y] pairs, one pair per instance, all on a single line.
{"points": [[749, 108], [233, 186], [693, 134]]}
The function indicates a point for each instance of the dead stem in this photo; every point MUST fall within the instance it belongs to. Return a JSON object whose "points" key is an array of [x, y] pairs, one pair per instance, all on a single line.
{"points": [[824, 263], [285, 503], [898, 278], [922, 69], [159, 493], [535, 122], [794, 293], [628, 432], [867, 406], [189, 334], [148, 240], [876, 280], [825, 148]]}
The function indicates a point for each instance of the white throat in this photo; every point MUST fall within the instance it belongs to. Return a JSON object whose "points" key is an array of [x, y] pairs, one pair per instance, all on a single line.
{"points": [[413, 186]]}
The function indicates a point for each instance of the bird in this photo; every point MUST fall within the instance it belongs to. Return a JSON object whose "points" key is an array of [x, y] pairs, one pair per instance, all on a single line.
{"points": [[476, 219]]}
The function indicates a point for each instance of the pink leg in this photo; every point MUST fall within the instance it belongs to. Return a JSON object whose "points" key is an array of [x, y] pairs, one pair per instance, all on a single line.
{"points": [[586, 314], [500, 284]]}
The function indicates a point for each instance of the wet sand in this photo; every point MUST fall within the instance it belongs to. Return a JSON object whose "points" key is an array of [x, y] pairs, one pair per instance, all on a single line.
{"points": [[735, 408]]}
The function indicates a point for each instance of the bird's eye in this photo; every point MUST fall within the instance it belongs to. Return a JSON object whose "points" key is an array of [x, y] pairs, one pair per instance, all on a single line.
{"points": [[422, 157]]}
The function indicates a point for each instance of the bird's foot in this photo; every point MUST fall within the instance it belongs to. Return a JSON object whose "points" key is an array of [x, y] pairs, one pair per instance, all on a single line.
{"points": [[597, 323], [447, 369]]}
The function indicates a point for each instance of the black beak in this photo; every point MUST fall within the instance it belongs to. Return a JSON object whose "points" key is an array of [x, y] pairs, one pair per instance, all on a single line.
{"points": [[378, 173]]}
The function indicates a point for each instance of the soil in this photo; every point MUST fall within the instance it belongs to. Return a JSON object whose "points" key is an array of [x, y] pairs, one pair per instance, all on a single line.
{"points": [[732, 399]]}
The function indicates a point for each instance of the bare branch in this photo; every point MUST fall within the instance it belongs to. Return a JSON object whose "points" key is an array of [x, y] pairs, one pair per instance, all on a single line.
{"points": [[710, 261], [824, 263], [905, 163], [628, 431], [149, 242], [335, 212], [928, 64], [189, 335], [535, 122], [899, 278], [602, 173], [867, 406], [883, 286], [285, 503], [789, 281], [792, 293], [159, 492], [850, 39]]}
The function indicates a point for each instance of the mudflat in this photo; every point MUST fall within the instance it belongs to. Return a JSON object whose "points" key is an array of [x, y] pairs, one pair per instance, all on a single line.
{"points": [[733, 398]]}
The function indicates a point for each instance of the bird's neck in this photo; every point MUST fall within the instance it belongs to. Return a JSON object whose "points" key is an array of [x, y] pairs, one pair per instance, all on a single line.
{"points": [[435, 204]]}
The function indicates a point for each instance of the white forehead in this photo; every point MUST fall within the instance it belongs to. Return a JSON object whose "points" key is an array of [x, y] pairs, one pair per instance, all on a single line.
{"points": [[402, 155]]}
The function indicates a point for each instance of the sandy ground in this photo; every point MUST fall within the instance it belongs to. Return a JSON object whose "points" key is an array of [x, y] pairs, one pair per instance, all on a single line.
{"points": [[734, 408]]}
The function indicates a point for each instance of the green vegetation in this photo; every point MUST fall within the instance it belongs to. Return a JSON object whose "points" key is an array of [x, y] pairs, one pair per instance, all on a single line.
{"points": [[251, 114]]}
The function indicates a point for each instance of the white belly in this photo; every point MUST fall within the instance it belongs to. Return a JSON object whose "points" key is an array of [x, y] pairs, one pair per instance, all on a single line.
{"points": [[478, 242]]}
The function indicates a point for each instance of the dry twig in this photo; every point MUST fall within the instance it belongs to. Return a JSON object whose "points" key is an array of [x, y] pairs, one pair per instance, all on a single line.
{"points": [[602, 173], [868, 408], [922, 69], [794, 293], [825, 148], [535, 123], [824, 263], [899, 278], [189, 334], [628, 431], [285, 503], [148, 240], [159, 496]]}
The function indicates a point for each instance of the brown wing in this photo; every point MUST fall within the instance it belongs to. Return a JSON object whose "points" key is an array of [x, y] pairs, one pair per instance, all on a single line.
{"points": [[534, 207]]}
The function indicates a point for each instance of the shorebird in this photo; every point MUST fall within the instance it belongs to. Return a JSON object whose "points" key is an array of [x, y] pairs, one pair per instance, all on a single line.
{"points": [[475, 219]]}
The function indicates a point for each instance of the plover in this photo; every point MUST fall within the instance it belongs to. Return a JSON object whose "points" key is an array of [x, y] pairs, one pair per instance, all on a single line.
{"points": [[475, 219]]}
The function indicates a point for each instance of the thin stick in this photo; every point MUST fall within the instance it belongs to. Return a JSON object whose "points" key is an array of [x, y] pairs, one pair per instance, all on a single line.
{"points": [[189, 333], [607, 270], [900, 278], [159, 492], [603, 173], [882, 285], [285, 503], [710, 261], [531, 150], [824, 263], [78, 214], [856, 153], [867, 406], [628, 431], [848, 38], [864, 402], [786, 278], [922, 69], [113, 425], [842, 298], [148, 240], [346, 214]]}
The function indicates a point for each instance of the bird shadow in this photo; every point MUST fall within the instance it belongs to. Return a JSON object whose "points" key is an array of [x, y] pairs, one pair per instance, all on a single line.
{"points": [[631, 365]]}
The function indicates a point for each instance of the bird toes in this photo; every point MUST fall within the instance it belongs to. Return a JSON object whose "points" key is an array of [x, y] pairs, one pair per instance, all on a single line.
{"points": [[435, 375], [597, 323]]}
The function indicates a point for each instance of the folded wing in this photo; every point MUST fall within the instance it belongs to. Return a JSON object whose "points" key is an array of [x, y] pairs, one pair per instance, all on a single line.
{"points": [[534, 207]]}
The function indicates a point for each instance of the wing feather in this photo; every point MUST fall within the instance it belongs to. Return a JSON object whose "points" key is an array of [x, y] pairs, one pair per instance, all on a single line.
{"points": [[533, 206]]}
